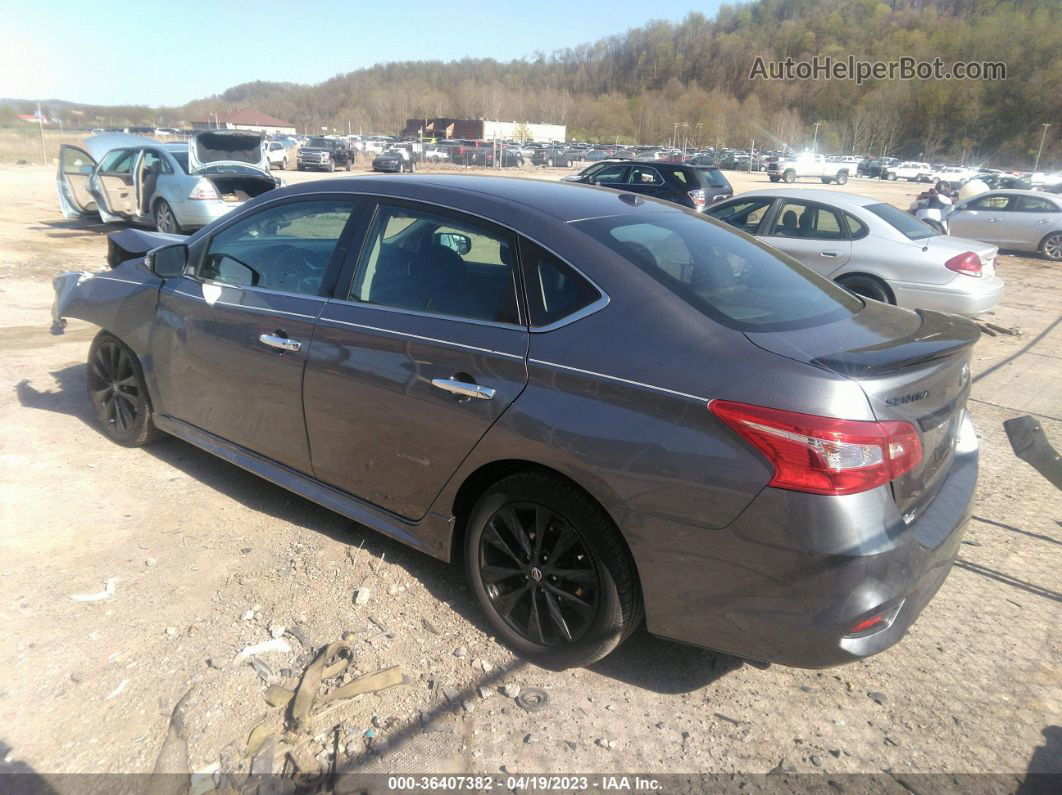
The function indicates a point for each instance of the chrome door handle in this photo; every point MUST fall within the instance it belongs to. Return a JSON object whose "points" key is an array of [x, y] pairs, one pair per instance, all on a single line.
{"points": [[463, 388], [992, 220], [280, 343], [829, 253]]}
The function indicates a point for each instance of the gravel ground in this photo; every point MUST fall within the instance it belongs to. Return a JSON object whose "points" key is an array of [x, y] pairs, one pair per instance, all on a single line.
{"points": [[206, 559]]}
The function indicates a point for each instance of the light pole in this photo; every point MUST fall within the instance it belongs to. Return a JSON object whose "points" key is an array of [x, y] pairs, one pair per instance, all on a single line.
{"points": [[1043, 135], [815, 141]]}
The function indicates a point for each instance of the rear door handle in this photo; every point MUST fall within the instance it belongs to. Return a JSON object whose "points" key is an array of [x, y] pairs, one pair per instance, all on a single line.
{"points": [[279, 342], [463, 388], [830, 253]]}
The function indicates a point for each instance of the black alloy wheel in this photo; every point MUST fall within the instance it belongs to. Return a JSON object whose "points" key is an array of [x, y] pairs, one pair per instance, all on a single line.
{"points": [[551, 570], [538, 574], [119, 397]]}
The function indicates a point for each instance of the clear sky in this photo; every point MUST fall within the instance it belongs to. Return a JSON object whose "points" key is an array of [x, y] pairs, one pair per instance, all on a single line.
{"points": [[167, 53]]}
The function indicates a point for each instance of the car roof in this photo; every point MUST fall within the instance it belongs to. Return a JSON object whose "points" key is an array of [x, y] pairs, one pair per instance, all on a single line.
{"points": [[564, 201], [1018, 192], [834, 197]]}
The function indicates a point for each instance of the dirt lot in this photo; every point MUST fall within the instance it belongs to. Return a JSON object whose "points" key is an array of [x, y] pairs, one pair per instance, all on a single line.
{"points": [[207, 557]]}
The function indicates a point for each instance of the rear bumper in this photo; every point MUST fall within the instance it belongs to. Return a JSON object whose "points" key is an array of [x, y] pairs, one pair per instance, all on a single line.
{"points": [[790, 577], [963, 295], [200, 212]]}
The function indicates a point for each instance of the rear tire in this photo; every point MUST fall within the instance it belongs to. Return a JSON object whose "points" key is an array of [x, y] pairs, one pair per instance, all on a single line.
{"points": [[868, 287], [579, 598], [118, 393], [841, 179], [1051, 246], [165, 220]]}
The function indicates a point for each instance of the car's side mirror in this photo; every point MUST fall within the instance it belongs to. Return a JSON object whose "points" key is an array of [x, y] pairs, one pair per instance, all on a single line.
{"points": [[167, 261], [460, 244]]}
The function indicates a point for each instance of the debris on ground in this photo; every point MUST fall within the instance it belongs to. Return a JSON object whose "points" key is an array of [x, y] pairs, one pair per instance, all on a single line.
{"points": [[532, 699], [106, 593], [118, 690], [276, 645], [362, 595], [171, 773]]}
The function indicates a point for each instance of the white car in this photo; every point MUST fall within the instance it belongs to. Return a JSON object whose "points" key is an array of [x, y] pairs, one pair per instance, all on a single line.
{"points": [[911, 171], [276, 155], [956, 176], [872, 248]]}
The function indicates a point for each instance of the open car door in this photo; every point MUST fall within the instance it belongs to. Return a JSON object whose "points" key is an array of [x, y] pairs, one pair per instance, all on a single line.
{"points": [[75, 168]]}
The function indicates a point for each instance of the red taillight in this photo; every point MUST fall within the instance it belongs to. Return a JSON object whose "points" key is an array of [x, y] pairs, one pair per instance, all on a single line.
{"points": [[824, 455], [698, 197], [967, 263]]}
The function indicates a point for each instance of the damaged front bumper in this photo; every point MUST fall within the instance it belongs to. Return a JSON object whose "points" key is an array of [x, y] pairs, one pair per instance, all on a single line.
{"points": [[66, 286]]}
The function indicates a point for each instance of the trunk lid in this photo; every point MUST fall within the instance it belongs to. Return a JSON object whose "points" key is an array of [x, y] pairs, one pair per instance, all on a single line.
{"points": [[226, 148], [912, 366], [945, 247]]}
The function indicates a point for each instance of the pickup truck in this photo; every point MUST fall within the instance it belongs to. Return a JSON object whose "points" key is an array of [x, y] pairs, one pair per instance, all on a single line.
{"points": [[324, 154], [790, 169], [910, 171]]}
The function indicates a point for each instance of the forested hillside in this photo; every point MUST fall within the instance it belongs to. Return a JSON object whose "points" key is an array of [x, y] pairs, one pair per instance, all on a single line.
{"points": [[636, 86]]}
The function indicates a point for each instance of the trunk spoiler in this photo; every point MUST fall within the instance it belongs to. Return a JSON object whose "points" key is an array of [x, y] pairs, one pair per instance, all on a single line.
{"points": [[938, 337], [127, 244]]}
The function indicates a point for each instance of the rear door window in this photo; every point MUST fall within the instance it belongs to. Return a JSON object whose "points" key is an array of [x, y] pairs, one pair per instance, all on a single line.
{"points": [[1034, 204], [740, 283], [424, 261]]}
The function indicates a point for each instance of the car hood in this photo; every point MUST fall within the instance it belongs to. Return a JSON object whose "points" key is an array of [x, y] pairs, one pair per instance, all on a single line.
{"points": [[225, 148]]}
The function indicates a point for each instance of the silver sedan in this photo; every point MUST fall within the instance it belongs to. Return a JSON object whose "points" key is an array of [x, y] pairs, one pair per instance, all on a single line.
{"points": [[1023, 220], [872, 248], [172, 186]]}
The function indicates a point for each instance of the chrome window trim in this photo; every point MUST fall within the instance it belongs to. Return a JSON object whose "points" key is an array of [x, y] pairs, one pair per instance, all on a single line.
{"points": [[589, 309], [264, 309], [419, 337], [621, 380], [421, 313]]}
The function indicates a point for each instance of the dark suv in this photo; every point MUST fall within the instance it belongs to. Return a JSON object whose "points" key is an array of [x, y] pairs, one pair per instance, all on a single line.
{"points": [[682, 183]]}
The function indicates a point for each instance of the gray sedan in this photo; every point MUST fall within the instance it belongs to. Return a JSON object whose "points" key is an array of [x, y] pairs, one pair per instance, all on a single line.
{"points": [[1023, 220], [171, 186], [870, 247], [605, 407]]}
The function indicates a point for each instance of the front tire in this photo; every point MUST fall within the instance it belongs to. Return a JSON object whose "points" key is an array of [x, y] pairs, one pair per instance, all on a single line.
{"points": [[789, 177], [165, 220], [773, 179], [119, 396], [1051, 247], [551, 571]]}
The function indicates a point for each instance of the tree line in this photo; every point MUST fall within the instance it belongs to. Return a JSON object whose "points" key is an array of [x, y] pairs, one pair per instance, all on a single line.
{"points": [[690, 81]]}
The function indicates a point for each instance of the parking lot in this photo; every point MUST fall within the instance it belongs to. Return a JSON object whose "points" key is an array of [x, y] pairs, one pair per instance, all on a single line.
{"points": [[206, 557]]}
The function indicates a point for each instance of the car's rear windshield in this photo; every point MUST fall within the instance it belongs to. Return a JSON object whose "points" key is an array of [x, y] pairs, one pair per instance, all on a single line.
{"points": [[908, 225], [733, 279], [713, 178]]}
